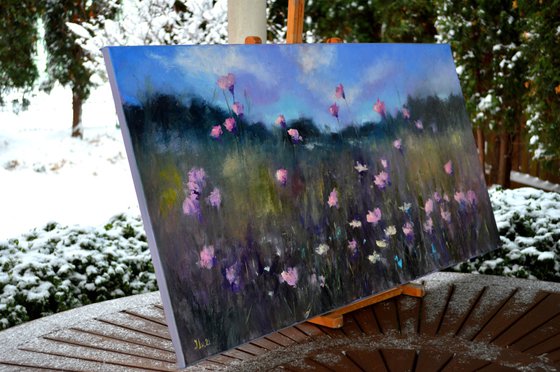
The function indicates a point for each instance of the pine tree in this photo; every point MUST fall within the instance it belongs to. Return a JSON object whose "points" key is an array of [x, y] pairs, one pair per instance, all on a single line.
{"points": [[485, 38], [542, 98]]}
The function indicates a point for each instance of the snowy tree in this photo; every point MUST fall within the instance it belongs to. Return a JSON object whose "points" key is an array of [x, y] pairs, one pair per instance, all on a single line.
{"points": [[153, 22], [485, 38], [65, 60], [542, 97]]}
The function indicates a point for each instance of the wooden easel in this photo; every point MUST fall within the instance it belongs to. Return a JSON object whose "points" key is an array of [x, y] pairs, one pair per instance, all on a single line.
{"points": [[335, 319]]}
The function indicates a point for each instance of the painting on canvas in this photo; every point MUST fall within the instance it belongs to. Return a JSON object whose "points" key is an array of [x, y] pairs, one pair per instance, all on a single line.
{"points": [[278, 182]]}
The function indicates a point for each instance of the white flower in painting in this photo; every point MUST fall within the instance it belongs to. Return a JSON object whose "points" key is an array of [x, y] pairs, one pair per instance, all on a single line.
{"points": [[381, 243], [360, 167], [322, 249], [374, 257], [355, 224], [390, 230], [405, 207]]}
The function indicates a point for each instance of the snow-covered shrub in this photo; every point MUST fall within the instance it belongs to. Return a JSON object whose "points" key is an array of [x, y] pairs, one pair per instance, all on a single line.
{"points": [[57, 268], [529, 225]]}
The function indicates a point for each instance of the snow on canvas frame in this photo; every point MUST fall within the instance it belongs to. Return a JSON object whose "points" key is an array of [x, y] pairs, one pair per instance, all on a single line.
{"points": [[279, 182]]}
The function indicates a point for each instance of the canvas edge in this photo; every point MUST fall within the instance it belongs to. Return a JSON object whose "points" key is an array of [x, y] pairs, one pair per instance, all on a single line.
{"points": [[158, 268]]}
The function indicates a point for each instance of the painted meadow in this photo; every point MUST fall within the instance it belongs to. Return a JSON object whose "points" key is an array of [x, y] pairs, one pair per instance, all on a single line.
{"points": [[281, 189]]}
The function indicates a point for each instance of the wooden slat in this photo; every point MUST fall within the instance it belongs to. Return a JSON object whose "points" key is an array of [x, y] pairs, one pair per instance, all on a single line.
{"points": [[460, 365], [534, 318], [409, 310], [399, 360], [543, 333], [125, 334], [432, 360], [507, 316], [370, 361], [367, 321], [150, 313], [41, 361], [295, 334], [136, 324], [545, 346], [351, 328], [386, 314], [95, 355], [459, 308], [434, 306], [104, 343], [336, 361]]}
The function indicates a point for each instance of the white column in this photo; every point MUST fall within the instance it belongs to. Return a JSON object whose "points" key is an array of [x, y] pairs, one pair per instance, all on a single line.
{"points": [[246, 18]]}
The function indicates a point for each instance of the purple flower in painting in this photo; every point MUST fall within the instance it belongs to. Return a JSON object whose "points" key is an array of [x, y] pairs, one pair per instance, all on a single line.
{"points": [[381, 180], [405, 113], [333, 199], [207, 257], [232, 276], [339, 92], [230, 124], [191, 205], [197, 180], [461, 198], [429, 226], [353, 246], [379, 107], [437, 197], [397, 144], [418, 124], [290, 276], [282, 176], [216, 132], [471, 197], [227, 82], [215, 198], [445, 215], [429, 206], [294, 133], [408, 230], [333, 110], [384, 163], [281, 121], [448, 167], [237, 108], [374, 216]]}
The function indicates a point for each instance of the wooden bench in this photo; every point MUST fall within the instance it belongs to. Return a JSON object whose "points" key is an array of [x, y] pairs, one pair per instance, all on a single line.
{"points": [[465, 322]]}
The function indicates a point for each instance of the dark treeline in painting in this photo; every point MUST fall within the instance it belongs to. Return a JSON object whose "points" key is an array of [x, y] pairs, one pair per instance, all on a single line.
{"points": [[261, 225]]}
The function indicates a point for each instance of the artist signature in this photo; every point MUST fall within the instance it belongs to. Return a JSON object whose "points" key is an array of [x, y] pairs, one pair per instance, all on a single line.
{"points": [[199, 345]]}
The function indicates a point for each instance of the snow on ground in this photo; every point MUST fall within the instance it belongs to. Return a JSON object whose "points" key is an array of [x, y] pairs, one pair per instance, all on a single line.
{"points": [[45, 175]]}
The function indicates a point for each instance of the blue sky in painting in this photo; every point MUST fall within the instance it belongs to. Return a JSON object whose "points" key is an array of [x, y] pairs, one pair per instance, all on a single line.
{"points": [[293, 80]]}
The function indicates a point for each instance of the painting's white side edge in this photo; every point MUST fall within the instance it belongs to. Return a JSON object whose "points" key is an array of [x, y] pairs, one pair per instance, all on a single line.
{"points": [[162, 283]]}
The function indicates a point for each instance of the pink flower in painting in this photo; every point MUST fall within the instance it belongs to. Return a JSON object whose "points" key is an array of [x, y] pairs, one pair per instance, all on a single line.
{"points": [[353, 246], [408, 230], [207, 257], [282, 176], [405, 113], [397, 144], [281, 121], [379, 107], [229, 124], [374, 216], [418, 124], [461, 198], [191, 205], [437, 197], [339, 92], [294, 133], [471, 197], [333, 199], [333, 110], [381, 180], [429, 226], [232, 275], [448, 167], [216, 131], [384, 163], [445, 215], [237, 108], [429, 206], [227, 82], [290, 276], [215, 198]]}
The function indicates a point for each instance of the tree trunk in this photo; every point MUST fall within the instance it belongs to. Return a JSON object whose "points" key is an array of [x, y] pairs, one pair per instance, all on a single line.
{"points": [[77, 130], [480, 145], [494, 158], [504, 167]]}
